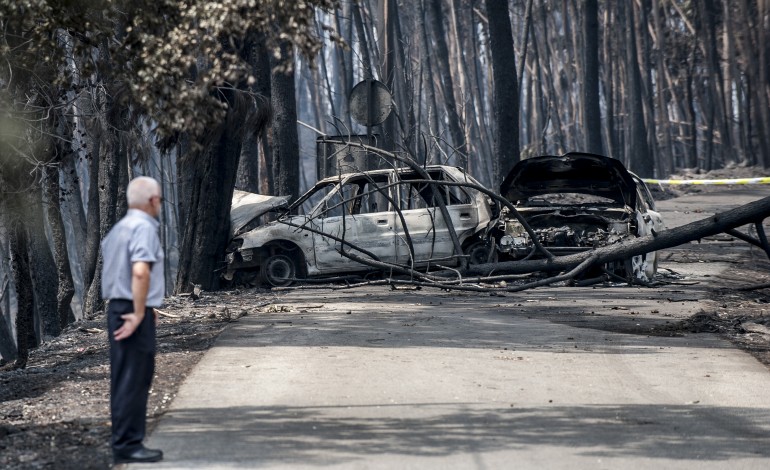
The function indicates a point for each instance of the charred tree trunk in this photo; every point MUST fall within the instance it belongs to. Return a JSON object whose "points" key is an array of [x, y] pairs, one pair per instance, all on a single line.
{"points": [[71, 199], [363, 42], [568, 76], [645, 69], [41, 261], [405, 89], [42, 267], [731, 117], [112, 171], [22, 279], [609, 88], [754, 44], [65, 285], [709, 13], [72, 213], [459, 68], [92, 233], [330, 76], [213, 173], [665, 159], [550, 79], [692, 148], [506, 90], [285, 138], [248, 168], [482, 122], [428, 82], [640, 158], [185, 157], [394, 67], [7, 341], [539, 108], [248, 178], [445, 77], [762, 84], [592, 119], [343, 60], [7, 349]]}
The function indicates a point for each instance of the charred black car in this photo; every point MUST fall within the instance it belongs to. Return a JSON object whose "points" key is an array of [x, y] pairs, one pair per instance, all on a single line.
{"points": [[577, 202]]}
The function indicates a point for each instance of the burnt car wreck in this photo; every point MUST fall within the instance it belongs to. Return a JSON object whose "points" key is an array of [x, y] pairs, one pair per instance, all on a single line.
{"points": [[434, 223], [393, 217], [574, 203]]}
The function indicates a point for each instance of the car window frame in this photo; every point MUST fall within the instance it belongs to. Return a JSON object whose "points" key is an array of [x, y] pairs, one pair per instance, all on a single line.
{"points": [[320, 208], [644, 192], [446, 192]]}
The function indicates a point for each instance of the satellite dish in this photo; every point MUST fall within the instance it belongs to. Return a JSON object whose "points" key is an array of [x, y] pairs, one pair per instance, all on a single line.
{"points": [[370, 102]]}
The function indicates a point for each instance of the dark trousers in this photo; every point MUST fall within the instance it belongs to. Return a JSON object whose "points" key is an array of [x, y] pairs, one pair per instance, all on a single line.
{"points": [[132, 365]]}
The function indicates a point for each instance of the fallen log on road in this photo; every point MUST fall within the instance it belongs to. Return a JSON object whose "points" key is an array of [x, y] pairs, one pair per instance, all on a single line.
{"points": [[564, 268]]}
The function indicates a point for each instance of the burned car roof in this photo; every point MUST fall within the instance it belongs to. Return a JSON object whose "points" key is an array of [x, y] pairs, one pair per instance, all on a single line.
{"points": [[572, 172]]}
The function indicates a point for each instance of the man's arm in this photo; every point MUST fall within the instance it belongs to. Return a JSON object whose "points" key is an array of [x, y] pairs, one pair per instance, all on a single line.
{"points": [[140, 285]]}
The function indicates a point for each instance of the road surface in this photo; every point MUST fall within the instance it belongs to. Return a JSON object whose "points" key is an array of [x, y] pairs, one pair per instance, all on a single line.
{"points": [[551, 378]]}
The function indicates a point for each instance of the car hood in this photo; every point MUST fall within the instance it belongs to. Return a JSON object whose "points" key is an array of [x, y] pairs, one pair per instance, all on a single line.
{"points": [[248, 206], [570, 173]]}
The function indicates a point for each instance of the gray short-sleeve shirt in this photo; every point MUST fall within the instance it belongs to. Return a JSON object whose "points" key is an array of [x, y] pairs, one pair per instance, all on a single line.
{"points": [[134, 238]]}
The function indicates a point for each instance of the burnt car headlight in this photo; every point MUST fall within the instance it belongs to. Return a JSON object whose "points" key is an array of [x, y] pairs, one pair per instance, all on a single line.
{"points": [[508, 243]]}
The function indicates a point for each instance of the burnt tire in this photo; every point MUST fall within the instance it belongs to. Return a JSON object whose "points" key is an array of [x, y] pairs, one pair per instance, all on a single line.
{"points": [[278, 271], [478, 253]]}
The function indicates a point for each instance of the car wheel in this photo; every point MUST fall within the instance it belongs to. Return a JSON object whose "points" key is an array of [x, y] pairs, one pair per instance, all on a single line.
{"points": [[478, 253], [278, 271]]}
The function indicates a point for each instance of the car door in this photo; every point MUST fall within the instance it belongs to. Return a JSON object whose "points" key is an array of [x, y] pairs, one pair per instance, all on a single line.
{"points": [[425, 224], [357, 214]]}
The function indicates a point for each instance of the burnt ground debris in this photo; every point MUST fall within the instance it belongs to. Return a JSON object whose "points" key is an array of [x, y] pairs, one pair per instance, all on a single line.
{"points": [[55, 413]]}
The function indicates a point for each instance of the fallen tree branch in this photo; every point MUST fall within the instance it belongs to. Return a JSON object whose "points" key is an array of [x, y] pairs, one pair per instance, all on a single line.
{"points": [[755, 287], [753, 212], [574, 272], [747, 214]]}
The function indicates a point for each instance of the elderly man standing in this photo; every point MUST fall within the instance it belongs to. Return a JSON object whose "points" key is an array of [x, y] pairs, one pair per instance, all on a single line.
{"points": [[133, 281]]}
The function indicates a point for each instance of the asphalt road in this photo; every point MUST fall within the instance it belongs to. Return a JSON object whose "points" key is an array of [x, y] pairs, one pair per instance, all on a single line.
{"points": [[552, 378]]}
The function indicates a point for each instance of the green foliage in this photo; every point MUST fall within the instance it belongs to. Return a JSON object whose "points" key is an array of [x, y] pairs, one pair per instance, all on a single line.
{"points": [[168, 57]]}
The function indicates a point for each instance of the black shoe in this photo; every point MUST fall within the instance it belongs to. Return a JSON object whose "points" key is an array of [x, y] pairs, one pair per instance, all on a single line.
{"points": [[141, 454]]}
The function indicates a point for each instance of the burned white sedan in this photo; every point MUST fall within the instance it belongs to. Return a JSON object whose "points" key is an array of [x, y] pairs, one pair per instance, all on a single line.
{"points": [[391, 216], [576, 202]]}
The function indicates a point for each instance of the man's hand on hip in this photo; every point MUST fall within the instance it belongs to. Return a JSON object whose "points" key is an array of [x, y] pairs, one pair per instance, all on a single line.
{"points": [[131, 322], [140, 284]]}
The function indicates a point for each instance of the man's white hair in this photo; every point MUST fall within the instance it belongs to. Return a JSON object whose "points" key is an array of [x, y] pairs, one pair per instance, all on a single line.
{"points": [[141, 189]]}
